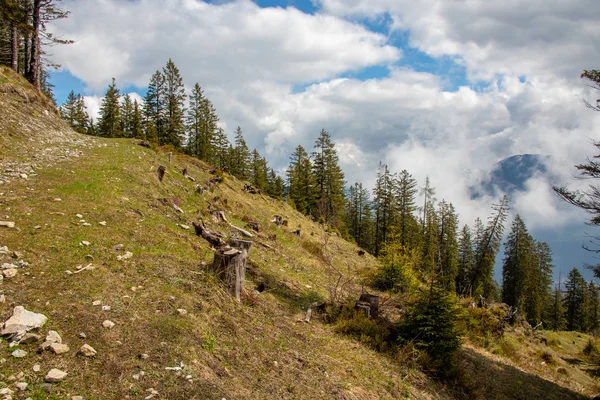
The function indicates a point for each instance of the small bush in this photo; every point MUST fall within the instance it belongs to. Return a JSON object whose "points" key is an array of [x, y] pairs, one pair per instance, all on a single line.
{"points": [[370, 331], [396, 272], [590, 348], [547, 357]]}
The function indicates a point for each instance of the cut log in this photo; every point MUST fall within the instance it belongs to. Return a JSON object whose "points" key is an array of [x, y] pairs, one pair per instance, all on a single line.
{"points": [[211, 237], [184, 172], [160, 172], [373, 302], [255, 226], [230, 265], [277, 219], [143, 143], [361, 252], [251, 189]]}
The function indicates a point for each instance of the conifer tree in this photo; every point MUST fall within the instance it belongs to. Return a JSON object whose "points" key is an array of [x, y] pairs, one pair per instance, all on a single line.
{"points": [[301, 182], [428, 194], [259, 174], [74, 113], [274, 185], [466, 260], [405, 190], [136, 121], [574, 301], [330, 181], [592, 310], [518, 264], [538, 284], [487, 244], [448, 245], [155, 108], [358, 215], [109, 124], [556, 320], [127, 116], [241, 156], [201, 124], [430, 256], [220, 149], [174, 129], [383, 206]]}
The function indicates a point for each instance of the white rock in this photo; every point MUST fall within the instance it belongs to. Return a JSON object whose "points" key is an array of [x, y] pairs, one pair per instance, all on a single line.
{"points": [[86, 224], [125, 256], [23, 320], [105, 308], [82, 335], [7, 224], [59, 348], [76, 397], [87, 350], [10, 273], [4, 250], [182, 311], [21, 386], [96, 302], [182, 226], [103, 223], [23, 176], [55, 375], [36, 368], [84, 243], [58, 199], [53, 337], [18, 353], [108, 324], [37, 227], [79, 216], [6, 392]]}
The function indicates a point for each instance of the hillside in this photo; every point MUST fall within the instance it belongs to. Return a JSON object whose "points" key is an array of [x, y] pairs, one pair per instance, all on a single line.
{"points": [[100, 238]]}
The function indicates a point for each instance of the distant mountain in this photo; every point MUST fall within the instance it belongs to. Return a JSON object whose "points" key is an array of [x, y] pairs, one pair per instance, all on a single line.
{"points": [[511, 174]]}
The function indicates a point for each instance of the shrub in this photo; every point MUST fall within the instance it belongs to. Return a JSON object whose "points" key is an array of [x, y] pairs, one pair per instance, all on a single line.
{"points": [[373, 332], [430, 325], [396, 272], [590, 348]]}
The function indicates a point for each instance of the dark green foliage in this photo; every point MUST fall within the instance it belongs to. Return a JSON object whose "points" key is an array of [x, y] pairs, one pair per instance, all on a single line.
{"points": [[405, 190], [154, 107], [174, 99], [373, 332], [383, 206], [302, 186], [201, 124], [430, 325], [358, 216], [109, 124], [518, 262], [555, 316], [396, 272], [73, 111], [574, 301], [466, 260], [240, 163], [259, 173], [447, 245], [329, 176]]}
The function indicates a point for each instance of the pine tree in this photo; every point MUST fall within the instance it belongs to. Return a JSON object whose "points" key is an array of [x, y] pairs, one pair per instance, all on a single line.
{"points": [[127, 116], [330, 181], [405, 190], [430, 259], [556, 320], [220, 150], [155, 108], [592, 308], [428, 194], [574, 301], [487, 244], [466, 260], [383, 206], [241, 156], [137, 130], [109, 124], [538, 284], [301, 182], [259, 174], [201, 124], [518, 264], [448, 245], [174, 129], [358, 216]]}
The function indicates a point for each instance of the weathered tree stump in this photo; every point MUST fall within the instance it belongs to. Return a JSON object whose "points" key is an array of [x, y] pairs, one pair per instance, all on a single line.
{"points": [[170, 156], [296, 232], [277, 219], [143, 143], [184, 172], [230, 265], [255, 226], [372, 301], [160, 172], [361, 252]]}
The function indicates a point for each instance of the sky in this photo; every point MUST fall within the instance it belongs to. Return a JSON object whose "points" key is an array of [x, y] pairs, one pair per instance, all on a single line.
{"points": [[444, 89]]}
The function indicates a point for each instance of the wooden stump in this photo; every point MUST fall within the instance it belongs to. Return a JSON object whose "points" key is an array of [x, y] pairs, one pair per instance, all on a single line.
{"points": [[372, 301], [230, 265], [160, 172]]}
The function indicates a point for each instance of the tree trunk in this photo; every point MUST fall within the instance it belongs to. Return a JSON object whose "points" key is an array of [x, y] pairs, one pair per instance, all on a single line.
{"points": [[14, 47], [230, 265], [35, 61]]}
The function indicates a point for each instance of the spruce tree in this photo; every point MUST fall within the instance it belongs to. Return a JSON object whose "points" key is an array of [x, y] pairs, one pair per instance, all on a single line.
{"points": [[259, 174], [466, 260], [174, 129], [383, 206], [155, 108], [109, 124], [241, 156], [574, 301], [358, 216], [301, 182], [518, 264], [330, 181], [556, 320], [127, 116], [448, 245], [405, 190], [137, 130], [201, 124]]}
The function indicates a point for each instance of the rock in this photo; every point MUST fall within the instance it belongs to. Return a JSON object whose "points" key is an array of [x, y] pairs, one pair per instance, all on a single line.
{"points": [[59, 348], [10, 273], [7, 224], [96, 302], [37, 227], [125, 256], [55, 375], [86, 224], [82, 335], [105, 308], [76, 398], [21, 386], [57, 199], [18, 353], [103, 223], [8, 266], [84, 243], [36, 368], [4, 250], [53, 337], [108, 324], [182, 226], [144, 356], [6, 392], [118, 247], [23, 320], [17, 254], [87, 350], [30, 338], [182, 311], [23, 176], [2, 298], [79, 216]]}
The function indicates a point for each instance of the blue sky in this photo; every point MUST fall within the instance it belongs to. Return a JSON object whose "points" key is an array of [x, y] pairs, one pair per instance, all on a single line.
{"points": [[442, 89]]}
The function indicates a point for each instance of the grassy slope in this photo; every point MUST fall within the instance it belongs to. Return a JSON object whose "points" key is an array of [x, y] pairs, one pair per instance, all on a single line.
{"points": [[231, 351], [255, 350]]}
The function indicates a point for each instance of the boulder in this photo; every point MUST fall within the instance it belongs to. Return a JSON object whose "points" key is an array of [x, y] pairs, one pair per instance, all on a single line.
{"points": [[55, 375], [59, 348], [87, 350], [22, 320]]}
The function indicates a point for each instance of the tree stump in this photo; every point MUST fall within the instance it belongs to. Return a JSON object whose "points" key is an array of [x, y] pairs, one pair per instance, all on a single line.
{"points": [[230, 265], [372, 301], [160, 172]]}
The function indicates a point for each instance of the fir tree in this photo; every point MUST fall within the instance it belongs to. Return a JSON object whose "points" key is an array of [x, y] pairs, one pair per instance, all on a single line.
{"points": [[259, 174], [136, 122], [201, 124], [556, 320], [574, 301], [448, 245], [518, 263], [358, 216], [383, 206], [301, 182], [155, 108], [109, 124], [74, 113], [127, 116], [405, 190], [241, 156], [330, 181], [466, 260], [174, 91]]}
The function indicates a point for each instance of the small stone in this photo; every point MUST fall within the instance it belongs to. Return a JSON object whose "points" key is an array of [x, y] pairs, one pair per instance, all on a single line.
{"points": [[182, 226], [23, 320], [10, 273], [182, 311], [12, 378], [118, 247], [37, 227], [68, 272], [30, 338], [125, 256], [84, 243], [172, 298], [86, 224], [144, 356], [57, 199], [105, 308], [19, 353], [4, 250], [6, 392], [108, 324], [53, 337], [79, 216], [17, 254], [87, 350], [21, 386], [7, 224], [96, 302], [82, 335], [55, 375], [103, 223], [59, 348], [2, 298], [76, 397], [36, 368], [23, 176], [89, 257]]}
